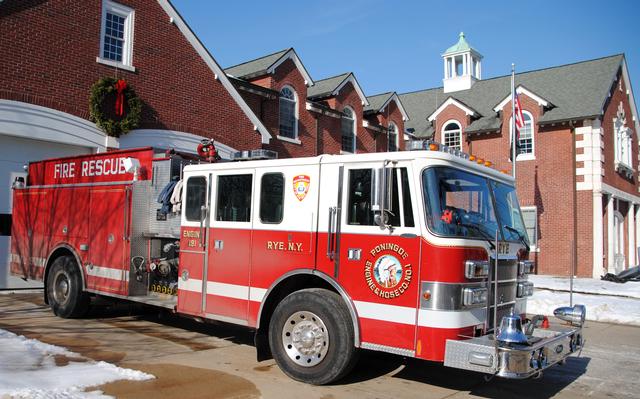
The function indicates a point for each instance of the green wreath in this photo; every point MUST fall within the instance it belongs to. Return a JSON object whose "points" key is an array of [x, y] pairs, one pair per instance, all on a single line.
{"points": [[102, 107]]}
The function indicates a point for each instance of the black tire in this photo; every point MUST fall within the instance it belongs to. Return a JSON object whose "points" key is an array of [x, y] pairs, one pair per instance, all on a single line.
{"points": [[326, 352], [64, 289]]}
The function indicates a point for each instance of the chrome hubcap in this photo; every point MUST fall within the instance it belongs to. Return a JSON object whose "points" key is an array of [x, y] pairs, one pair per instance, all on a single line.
{"points": [[305, 338], [61, 287]]}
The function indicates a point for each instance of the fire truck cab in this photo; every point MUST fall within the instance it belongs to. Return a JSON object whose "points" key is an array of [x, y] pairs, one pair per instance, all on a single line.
{"points": [[419, 253]]}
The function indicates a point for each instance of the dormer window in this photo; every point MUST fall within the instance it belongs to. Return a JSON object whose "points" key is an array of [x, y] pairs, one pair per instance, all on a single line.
{"points": [[116, 37], [452, 135]]}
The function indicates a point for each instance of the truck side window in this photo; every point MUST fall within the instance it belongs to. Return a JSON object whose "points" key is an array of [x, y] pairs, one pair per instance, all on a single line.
{"points": [[359, 201], [271, 197], [234, 198], [196, 197], [406, 199]]}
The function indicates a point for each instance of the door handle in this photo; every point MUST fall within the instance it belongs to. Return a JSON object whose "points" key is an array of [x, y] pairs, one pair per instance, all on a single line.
{"points": [[331, 233]]}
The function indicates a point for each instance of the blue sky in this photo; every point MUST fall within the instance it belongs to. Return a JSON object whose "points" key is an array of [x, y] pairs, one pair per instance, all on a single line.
{"points": [[396, 45]]}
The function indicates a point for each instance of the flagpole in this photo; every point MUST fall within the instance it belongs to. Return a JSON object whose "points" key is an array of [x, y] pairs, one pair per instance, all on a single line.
{"points": [[513, 120]]}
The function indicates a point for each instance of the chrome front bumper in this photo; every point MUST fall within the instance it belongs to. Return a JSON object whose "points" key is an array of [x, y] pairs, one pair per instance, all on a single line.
{"points": [[546, 347]]}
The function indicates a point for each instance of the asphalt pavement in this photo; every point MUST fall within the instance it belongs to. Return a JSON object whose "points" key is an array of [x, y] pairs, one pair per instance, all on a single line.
{"points": [[216, 360]]}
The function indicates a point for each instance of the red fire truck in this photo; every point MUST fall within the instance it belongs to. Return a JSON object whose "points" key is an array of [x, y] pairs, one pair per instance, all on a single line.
{"points": [[417, 253]]}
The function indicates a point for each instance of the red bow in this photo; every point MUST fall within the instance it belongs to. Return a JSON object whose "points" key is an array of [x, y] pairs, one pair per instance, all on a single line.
{"points": [[120, 86]]}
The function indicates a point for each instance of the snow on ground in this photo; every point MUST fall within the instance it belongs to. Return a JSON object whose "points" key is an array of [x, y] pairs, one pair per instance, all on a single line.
{"points": [[28, 370], [607, 309], [587, 285]]}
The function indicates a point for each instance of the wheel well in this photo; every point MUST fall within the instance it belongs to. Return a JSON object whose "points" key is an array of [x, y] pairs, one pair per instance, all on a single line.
{"points": [[57, 253], [287, 286]]}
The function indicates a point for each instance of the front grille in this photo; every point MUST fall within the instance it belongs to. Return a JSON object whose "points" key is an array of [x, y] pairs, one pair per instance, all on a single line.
{"points": [[507, 289]]}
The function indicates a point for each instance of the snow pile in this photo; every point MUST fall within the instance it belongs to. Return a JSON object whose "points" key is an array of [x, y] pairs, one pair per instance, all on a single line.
{"points": [[602, 308], [28, 370], [629, 289]]}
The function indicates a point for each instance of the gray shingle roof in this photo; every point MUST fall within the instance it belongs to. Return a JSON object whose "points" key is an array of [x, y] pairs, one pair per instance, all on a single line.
{"points": [[255, 67], [376, 102], [325, 87], [576, 91]]}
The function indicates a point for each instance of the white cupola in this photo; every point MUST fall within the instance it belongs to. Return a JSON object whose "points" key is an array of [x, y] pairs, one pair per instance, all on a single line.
{"points": [[462, 66]]}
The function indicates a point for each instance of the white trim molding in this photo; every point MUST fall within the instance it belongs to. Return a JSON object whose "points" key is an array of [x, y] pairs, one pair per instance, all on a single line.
{"points": [[452, 101], [47, 124], [215, 68], [127, 41], [632, 101], [291, 55], [352, 79], [522, 90]]}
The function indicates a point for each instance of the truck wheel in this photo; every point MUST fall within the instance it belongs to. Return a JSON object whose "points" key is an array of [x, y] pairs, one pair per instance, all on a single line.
{"points": [[64, 289], [311, 336]]}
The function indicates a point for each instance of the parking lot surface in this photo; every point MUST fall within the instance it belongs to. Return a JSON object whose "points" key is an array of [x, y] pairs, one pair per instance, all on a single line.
{"points": [[196, 360]]}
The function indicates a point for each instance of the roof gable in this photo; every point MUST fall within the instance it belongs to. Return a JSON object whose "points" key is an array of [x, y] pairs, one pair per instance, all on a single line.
{"points": [[215, 68], [523, 90], [331, 87], [452, 101], [268, 64], [379, 102]]}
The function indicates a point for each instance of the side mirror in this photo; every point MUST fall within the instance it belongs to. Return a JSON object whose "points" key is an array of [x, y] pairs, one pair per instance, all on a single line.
{"points": [[382, 194]]}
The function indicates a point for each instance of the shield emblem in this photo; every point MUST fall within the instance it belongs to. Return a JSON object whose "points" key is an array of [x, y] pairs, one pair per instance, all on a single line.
{"points": [[301, 186]]}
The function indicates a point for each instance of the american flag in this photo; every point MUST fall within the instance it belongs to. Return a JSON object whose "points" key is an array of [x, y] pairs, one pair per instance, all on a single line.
{"points": [[519, 116]]}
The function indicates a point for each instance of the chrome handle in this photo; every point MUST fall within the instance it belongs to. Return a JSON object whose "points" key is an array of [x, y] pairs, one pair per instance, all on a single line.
{"points": [[203, 215], [331, 232], [218, 245]]}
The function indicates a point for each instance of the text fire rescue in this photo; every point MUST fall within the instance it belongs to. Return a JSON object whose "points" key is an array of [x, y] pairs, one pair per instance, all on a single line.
{"points": [[93, 167]]}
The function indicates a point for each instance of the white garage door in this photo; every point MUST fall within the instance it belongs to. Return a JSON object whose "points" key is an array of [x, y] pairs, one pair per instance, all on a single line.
{"points": [[14, 154]]}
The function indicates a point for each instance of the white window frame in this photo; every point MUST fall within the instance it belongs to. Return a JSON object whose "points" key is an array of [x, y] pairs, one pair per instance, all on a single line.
{"points": [[355, 131], [444, 126], [393, 127], [534, 246], [529, 156], [127, 47], [296, 107]]}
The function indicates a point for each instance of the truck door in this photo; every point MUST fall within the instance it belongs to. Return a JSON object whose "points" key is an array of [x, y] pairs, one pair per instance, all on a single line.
{"points": [[109, 213], [228, 268], [379, 266], [194, 246]]}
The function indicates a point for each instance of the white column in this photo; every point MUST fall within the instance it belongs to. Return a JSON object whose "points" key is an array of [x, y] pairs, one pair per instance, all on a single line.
{"points": [[610, 234], [446, 64], [631, 224], [598, 235]]}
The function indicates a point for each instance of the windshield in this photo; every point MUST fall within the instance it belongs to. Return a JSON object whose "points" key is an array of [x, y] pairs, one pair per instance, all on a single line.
{"points": [[509, 212], [461, 204]]}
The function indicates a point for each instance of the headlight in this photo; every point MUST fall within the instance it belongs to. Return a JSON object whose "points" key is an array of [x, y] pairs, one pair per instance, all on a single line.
{"points": [[525, 267], [525, 288], [474, 296], [476, 269]]}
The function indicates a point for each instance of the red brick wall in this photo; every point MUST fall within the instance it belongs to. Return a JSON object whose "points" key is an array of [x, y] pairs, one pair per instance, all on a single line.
{"points": [[49, 58], [393, 114], [365, 141]]}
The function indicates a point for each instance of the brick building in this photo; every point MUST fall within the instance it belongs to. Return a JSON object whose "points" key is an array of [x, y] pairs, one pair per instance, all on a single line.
{"points": [[53, 51], [577, 165]]}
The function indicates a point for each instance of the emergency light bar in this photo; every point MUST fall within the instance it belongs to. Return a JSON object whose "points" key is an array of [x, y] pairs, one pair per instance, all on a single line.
{"points": [[430, 145]]}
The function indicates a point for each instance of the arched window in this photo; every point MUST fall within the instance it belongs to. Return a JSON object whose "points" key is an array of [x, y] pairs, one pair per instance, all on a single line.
{"points": [[288, 113], [348, 130], [392, 142], [452, 135], [525, 142]]}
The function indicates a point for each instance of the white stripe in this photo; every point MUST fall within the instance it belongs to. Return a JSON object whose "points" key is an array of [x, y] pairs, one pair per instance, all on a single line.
{"points": [[228, 290], [108, 272], [192, 285], [223, 289], [451, 319], [392, 313], [38, 262]]}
